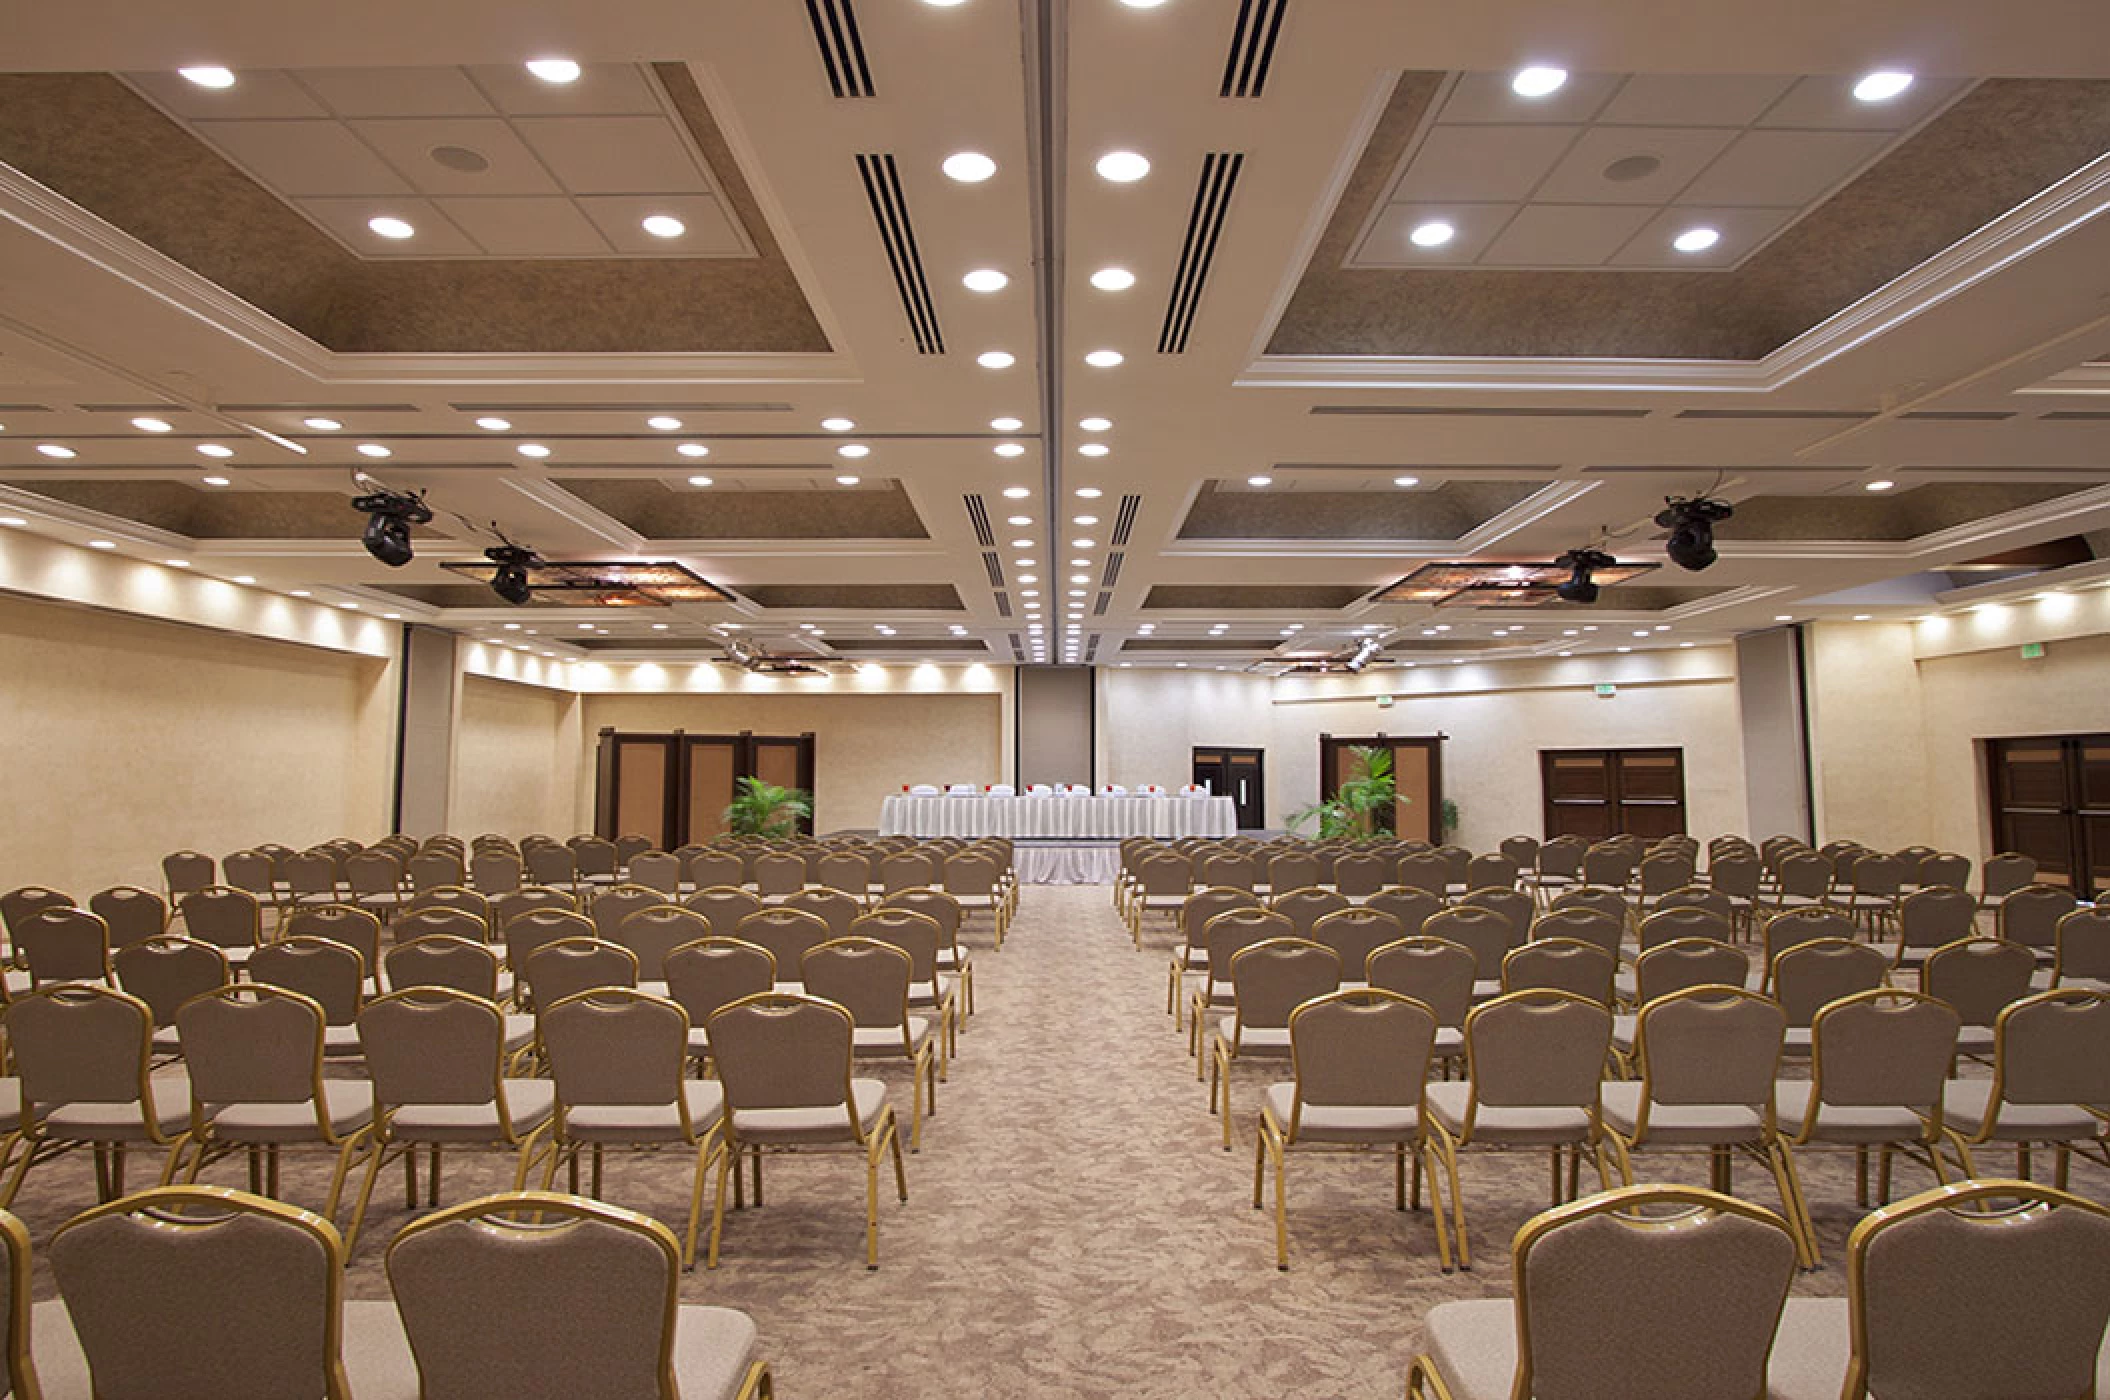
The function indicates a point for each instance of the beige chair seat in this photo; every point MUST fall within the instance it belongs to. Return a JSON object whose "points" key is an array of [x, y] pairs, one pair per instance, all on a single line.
{"points": [[18, 982], [1450, 1041], [1487, 990], [1678, 1125], [699, 1041], [115, 1122], [1474, 1345], [647, 1122], [1271, 1041], [1966, 1102], [887, 1040], [519, 1033], [167, 1042], [1505, 1125], [349, 1103], [1795, 1100], [1795, 1041], [1623, 1032], [922, 994], [655, 989], [1190, 959], [341, 1042], [792, 989], [1974, 1040], [529, 1103], [11, 1105], [1344, 1122], [953, 959], [826, 1124]]}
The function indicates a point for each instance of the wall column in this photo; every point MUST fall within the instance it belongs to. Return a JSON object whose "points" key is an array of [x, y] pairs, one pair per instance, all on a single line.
{"points": [[425, 725], [1769, 697]]}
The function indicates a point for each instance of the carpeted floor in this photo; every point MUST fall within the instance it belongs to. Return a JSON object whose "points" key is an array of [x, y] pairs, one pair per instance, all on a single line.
{"points": [[1074, 1227]]}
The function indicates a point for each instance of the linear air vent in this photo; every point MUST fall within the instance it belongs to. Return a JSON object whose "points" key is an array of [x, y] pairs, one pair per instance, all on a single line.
{"points": [[557, 406], [890, 212], [1957, 415], [1091, 648], [1430, 411], [1113, 569], [978, 516], [2074, 415], [1099, 607], [1018, 650], [1124, 521], [995, 566], [842, 49], [1781, 415], [1253, 46], [1205, 225], [1003, 605]]}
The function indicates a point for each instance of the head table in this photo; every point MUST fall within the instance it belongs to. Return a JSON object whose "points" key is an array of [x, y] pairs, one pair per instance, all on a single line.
{"points": [[1058, 818]]}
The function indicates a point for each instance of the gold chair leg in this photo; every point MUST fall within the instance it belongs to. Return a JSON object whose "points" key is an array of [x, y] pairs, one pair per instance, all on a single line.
{"points": [[1279, 1151], [706, 1151], [872, 1151], [366, 1193], [728, 1165]]}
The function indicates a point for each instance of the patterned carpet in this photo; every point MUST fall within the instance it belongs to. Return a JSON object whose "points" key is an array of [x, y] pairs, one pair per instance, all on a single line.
{"points": [[1074, 1227]]}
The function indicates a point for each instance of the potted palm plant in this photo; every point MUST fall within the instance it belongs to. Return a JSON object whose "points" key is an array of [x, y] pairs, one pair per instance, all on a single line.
{"points": [[766, 810], [1361, 806]]}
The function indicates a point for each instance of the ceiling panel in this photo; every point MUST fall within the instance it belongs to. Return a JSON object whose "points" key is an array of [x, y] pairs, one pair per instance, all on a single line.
{"points": [[347, 219], [1693, 99], [1487, 97], [1482, 162], [1827, 103], [1564, 235], [527, 228], [1784, 167], [1605, 165], [1742, 230], [1389, 244], [429, 153], [602, 89], [258, 92], [614, 155], [620, 218], [396, 92], [300, 158]]}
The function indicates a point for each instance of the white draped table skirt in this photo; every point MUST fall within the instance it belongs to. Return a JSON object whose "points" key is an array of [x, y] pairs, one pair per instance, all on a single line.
{"points": [[1071, 818]]}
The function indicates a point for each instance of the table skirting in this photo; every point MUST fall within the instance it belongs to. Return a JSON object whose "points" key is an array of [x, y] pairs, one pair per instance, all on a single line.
{"points": [[1072, 818], [1066, 865]]}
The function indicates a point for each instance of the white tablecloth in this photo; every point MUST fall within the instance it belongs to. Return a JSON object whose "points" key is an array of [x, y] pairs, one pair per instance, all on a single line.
{"points": [[1066, 865], [1058, 817]]}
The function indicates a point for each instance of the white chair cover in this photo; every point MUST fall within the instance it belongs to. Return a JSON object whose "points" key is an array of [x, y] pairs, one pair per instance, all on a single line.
{"points": [[923, 790]]}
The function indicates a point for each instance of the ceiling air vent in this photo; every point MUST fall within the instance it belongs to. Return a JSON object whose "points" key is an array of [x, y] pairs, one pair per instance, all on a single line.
{"points": [[978, 516], [1253, 46], [1113, 569], [1359, 410], [1205, 224], [1124, 521], [1099, 608], [890, 212], [1776, 415], [842, 50], [995, 566]]}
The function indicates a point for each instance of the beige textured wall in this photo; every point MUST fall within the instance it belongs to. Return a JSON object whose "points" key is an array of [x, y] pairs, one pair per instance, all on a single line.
{"points": [[125, 738], [1151, 721], [516, 760], [1997, 695], [1866, 734], [865, 746]]}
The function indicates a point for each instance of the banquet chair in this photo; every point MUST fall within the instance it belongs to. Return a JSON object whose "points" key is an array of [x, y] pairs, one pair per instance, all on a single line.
{"points": [[1162, 885], [1512, 904], [618, 1057], [832, 906], [2001, 876], [532, 930], [164, 973], [1810, 976], [629, 848], [1305, 905], [64, 945], [354, 928], [1192, 953], [1435, 972], [495, 872], [255, 1056], [1672, 967], [1359, 1059], [436, 867], [1558, 867], [1645, 1293], [83, 1055], [932, 992], [1269, 980], [713, 972], [608, 908], [1425, 871], [778, 873], [1609, 903], [463, 964], [1297, 870], [1230, 869], [1488, 934], [184, 871], [786, 933], [194, 1291], [1457, 868], [786, 1063], [658, 870], [591, 1297], [328, 973], [1223, 938], [949, 915], [1797, 926], [1359, 874], [2030, 916], [130, 913], [566, 967], [504, 908], [650, 934], [1354, 934], [870, 979], [2050, 1084], [1610, 865], [551, 866], [1491, 872], [437, 1058], [1561, 964], [1802, 881], [1709, 1057], [726, 905], [376, 881], [1701, 897], [905, 870], [1411, 907], [1658, 875], [2082, 952], [1533, 1062], [708, 868], [1980, 977], [432, 920], [976, 881], [597, 860]]}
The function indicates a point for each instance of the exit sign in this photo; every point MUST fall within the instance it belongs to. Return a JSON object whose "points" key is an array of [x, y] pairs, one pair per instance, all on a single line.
{"points": [[1606, 690], [2031, 651]]}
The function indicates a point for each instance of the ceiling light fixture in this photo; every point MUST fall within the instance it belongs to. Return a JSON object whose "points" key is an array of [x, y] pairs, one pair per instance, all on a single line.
{"points": [[215, 450], [1260, 481], [1696, 240], [389, 226], [996, 359], [1017, 493], [1093, 449], [837, 425], [532, 449], [699, 481], [985, 279], [1691, 523], [663, 423], [1881, 85], [1007, 425], [663, 226], [853, 449], [1089, 493], [208, 76], [1406, 481], [373, 449], [1103, 359], [1113, 279], [1010, 449], [848, 480], [968, 167], [151, 425], [214, 480], [494, 425], [510, 581], [1878, 485], [1579, 587], [322, 425], [1122, 167], [102, 544], [52, 449], [390, 514], [693, 449], [1433, 234], [1538, 81], [554, 70]]}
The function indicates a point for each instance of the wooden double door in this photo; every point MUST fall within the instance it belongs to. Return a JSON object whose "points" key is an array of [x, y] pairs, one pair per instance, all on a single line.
{"points": [[1239, 774], [1595, 793], [675, 787], [2051, 802]]}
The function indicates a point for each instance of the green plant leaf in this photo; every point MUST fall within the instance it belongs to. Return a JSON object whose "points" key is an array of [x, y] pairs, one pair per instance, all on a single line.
{"points": [[764, 809]]}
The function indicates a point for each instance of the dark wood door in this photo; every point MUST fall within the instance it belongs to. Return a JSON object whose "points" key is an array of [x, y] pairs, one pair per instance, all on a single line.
{"points": [[1596, 793], [1417, 779], [1239, 774], [675, 787], [2051, 802]]}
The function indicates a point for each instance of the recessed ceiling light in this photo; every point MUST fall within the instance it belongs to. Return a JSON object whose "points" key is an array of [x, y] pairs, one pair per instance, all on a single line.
{"points": [[532, 449], [1113, 279], [1783, 617], [1080, 578], [1010, 449], [1007, 425], [373, 449], [1093, 449], [968, 167], [1083, 544], [177, 563], [493, 425], [12, 520], [1538, 82], [1696, 240], [1685, 646], [699, 481], [1089, 493], [1122, 167], [214, 449], [52, 449], [208, 76], [837, 425], [214, 480], [322, 425], [1879, 485], [1095, 425], [996, 359], [1882, 85], [693, 449], [1028, 592], [1862, 617], [853, 449], [1021, 521], [349, 607], [1433, 234], [663, 226], [151, 425], [1103, 359], [1084, 520], [1017, 493], [389, 226], [847, 480], [101, 544], [985, 279], [554, 70], [663, 423], [1623, 649], [1021, 544], [1260, 481]]}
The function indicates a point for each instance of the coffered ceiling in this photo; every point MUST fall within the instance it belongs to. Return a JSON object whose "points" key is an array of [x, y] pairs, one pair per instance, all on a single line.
{"points": [[1204, 415]]}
